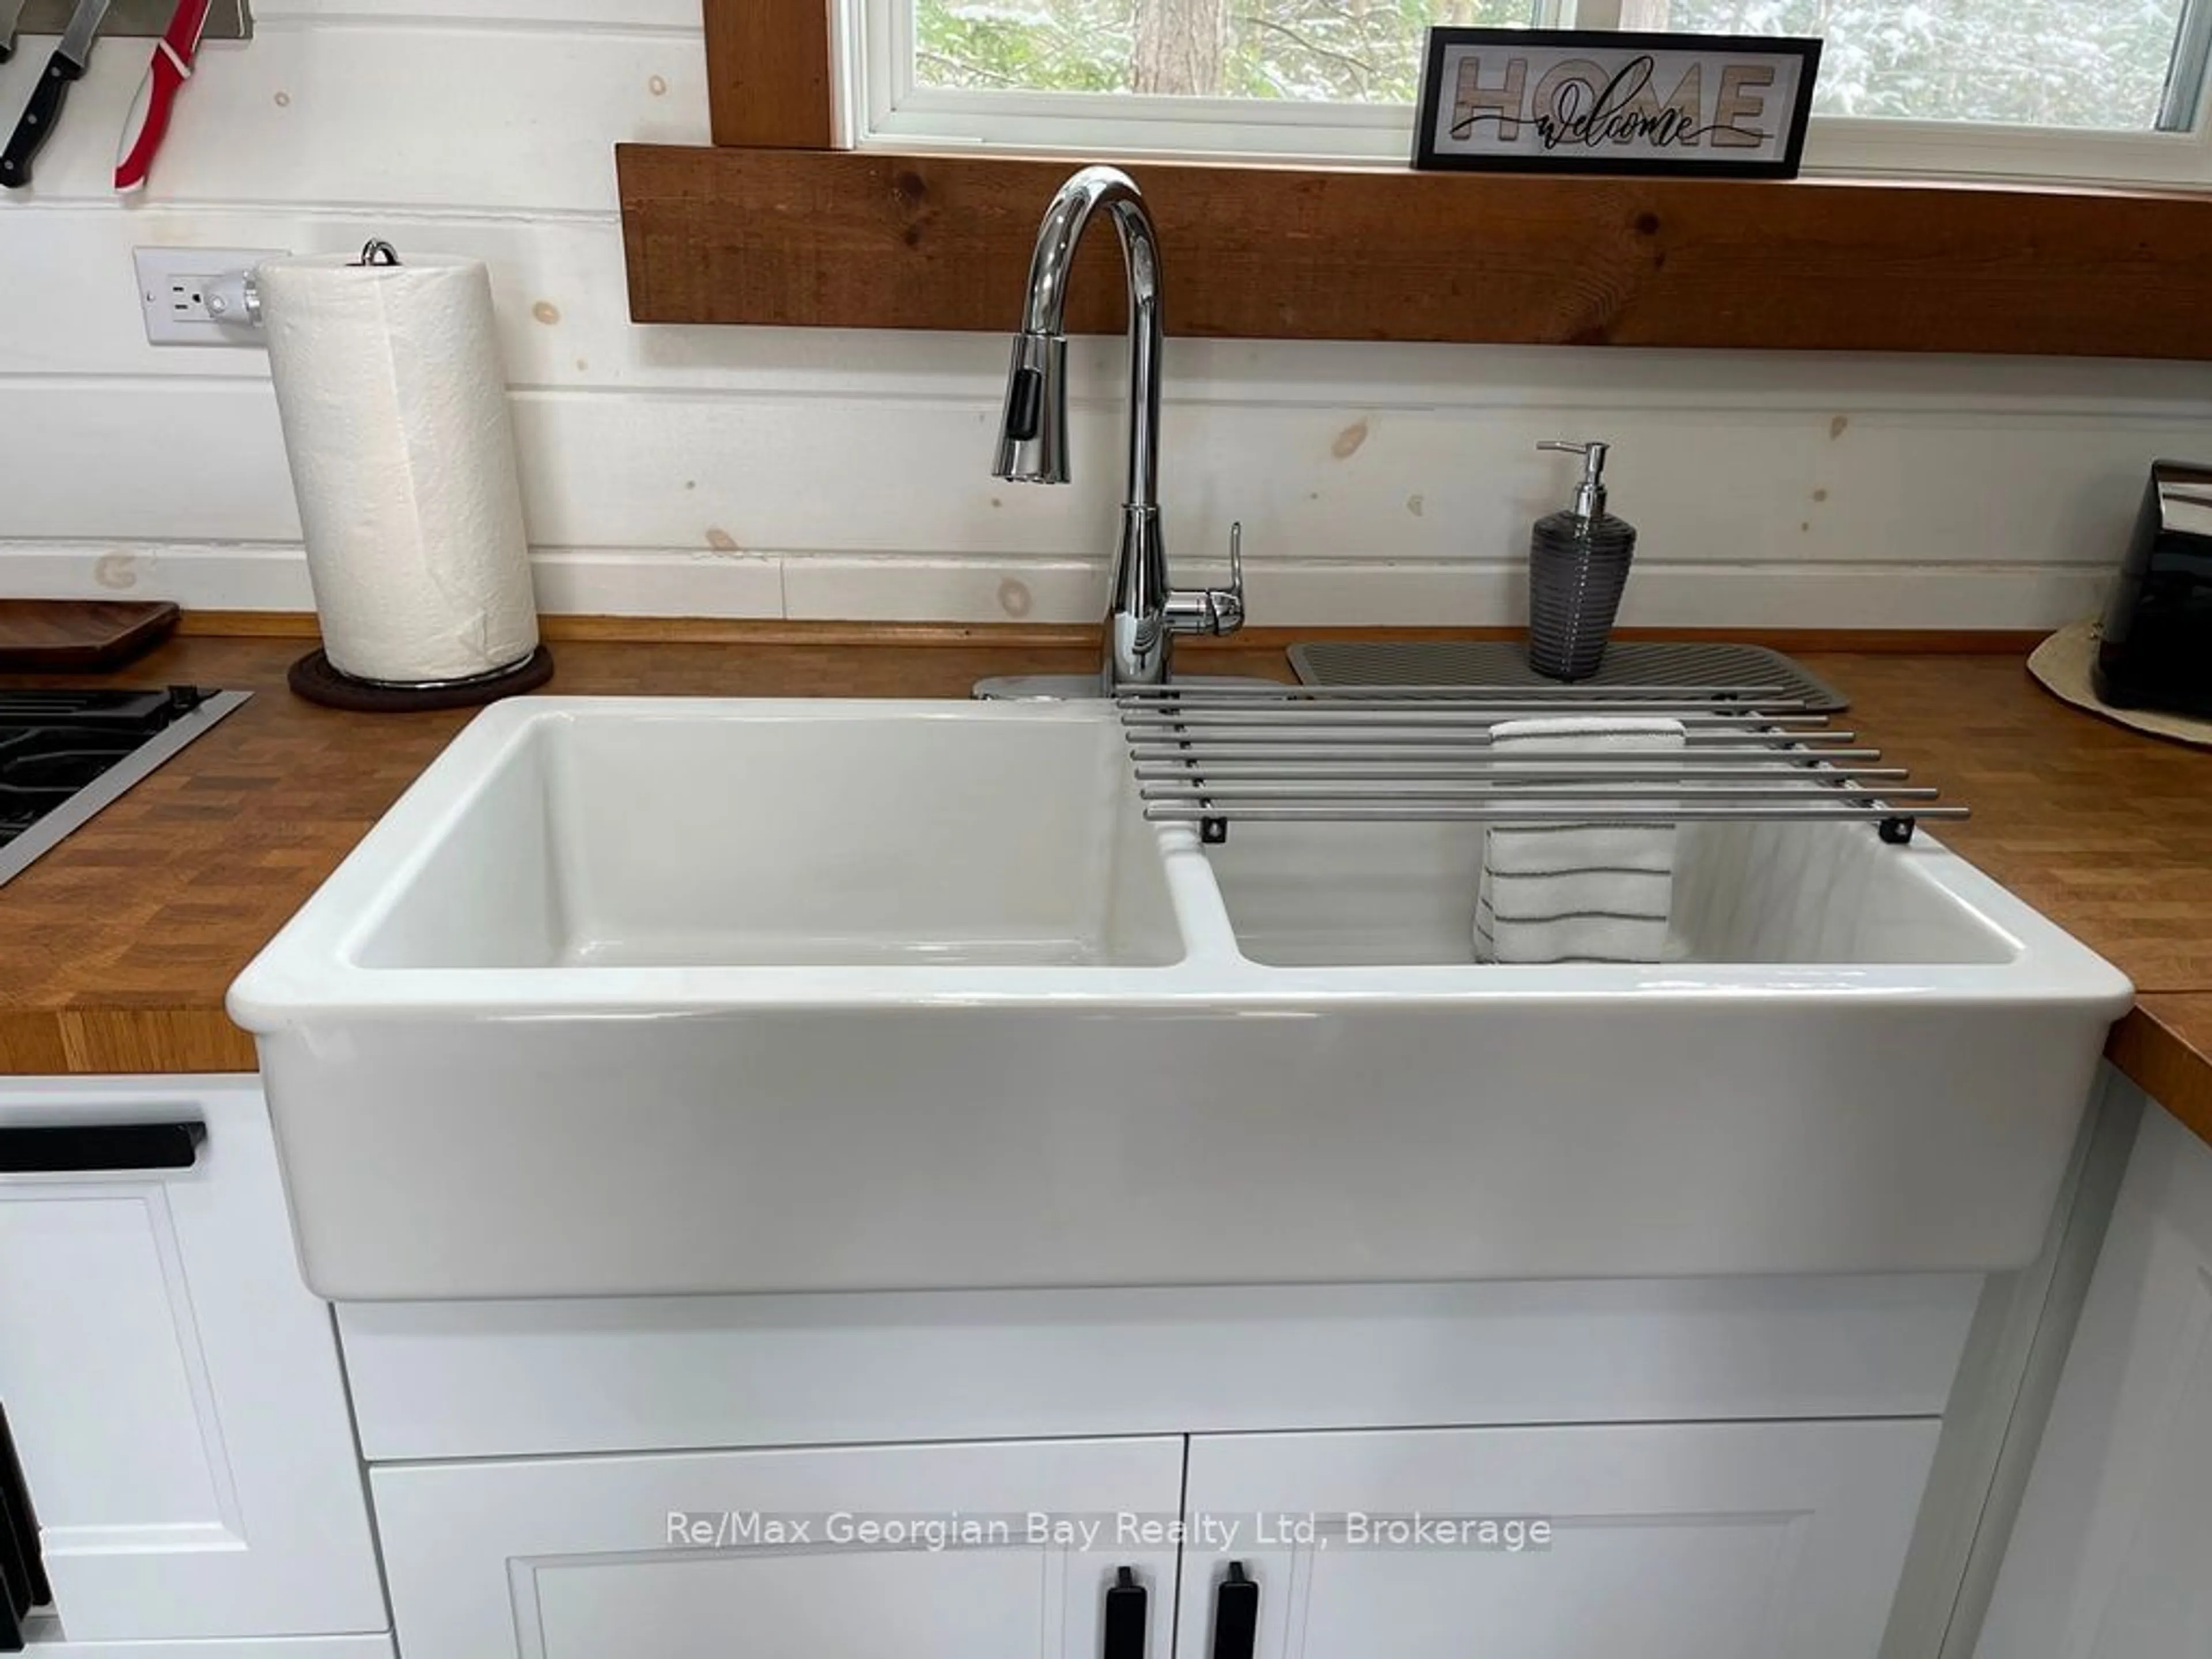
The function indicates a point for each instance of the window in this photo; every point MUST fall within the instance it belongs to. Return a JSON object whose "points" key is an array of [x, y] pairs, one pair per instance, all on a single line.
{"points": [[2081, 90]]}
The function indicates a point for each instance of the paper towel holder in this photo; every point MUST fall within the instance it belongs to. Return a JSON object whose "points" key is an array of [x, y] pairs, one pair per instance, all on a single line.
{"points": [[313, 678], [233, 297], [317, 679]]}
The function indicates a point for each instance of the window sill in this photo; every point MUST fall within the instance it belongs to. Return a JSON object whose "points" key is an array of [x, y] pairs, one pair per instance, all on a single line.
{"points": [[863, 240]]}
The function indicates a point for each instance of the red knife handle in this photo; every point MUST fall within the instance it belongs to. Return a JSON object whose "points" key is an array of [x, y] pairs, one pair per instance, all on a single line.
{"points": [[187, 24], [164, 75]]}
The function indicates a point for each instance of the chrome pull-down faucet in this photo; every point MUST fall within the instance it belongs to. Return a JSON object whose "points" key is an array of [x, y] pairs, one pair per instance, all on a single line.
{"points": [[1144, 613]]}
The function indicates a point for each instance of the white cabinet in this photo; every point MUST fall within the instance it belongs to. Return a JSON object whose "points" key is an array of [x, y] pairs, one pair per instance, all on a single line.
{"points": [[1743, 1540], [2112, 1556], [173, 1388], [45, 1645], [1778, 1541], [1759, 1507], [701, 1556]]}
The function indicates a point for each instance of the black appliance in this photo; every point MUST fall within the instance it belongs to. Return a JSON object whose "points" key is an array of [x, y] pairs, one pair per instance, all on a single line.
{"points": [[22, 1573], [66, 754], [2156, 652]]}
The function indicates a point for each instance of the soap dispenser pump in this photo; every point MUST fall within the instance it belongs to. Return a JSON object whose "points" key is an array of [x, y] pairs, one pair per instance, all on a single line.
{"points": [[1578, 561]]}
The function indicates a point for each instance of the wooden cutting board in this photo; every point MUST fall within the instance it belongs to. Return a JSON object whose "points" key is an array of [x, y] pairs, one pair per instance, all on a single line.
{"points": [[80, 635]]}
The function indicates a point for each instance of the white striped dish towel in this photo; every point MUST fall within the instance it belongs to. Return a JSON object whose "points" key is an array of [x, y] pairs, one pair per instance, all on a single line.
{"points": [[1565, 892]]}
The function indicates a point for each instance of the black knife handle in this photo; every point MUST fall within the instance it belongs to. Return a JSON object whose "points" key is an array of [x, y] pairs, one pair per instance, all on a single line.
{"points": [[40, 114], [1236, 1616], [1125, 1617]]}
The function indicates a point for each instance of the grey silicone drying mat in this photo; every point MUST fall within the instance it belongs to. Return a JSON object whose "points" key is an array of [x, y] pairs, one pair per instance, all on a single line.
{"points": [[1718, 668]]}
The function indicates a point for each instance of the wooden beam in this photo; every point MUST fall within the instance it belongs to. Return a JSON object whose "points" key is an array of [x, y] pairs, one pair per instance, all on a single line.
{"points": [[860, 239], [767, 73]]}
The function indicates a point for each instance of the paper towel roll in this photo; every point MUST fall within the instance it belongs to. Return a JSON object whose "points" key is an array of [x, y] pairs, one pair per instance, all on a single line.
{"points": [[394, 409]]}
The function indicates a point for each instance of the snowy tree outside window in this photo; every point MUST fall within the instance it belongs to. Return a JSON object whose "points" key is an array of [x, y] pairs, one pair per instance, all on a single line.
{"points": [[2086, 65]]}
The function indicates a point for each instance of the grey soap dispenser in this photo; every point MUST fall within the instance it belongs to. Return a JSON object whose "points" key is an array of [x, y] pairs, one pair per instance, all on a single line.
{"points": [[1577, 566]]}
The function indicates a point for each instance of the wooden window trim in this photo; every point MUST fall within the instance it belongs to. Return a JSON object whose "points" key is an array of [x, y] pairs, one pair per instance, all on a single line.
{"points": [[769, 79], [775, 226]]}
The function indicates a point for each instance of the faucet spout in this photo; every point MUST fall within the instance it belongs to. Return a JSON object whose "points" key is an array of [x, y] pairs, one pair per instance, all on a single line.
{"points": [[1144, 612], [1033, 432]]}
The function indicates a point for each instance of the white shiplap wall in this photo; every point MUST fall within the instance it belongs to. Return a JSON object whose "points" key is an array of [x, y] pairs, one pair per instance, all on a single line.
{"points": [[751, 472]]}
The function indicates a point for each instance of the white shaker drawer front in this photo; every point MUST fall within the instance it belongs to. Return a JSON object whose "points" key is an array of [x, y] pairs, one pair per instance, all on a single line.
{"points": [[1739, 1540], [282, 1647], [170, 1386], [701, 1556]]}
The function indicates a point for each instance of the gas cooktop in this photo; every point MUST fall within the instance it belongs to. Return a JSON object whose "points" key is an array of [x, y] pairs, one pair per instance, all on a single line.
{"points": [[65, 754]]}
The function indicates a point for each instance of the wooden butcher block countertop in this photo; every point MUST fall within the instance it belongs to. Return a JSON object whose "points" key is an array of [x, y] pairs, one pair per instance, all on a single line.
{"points": [[115, 948]]}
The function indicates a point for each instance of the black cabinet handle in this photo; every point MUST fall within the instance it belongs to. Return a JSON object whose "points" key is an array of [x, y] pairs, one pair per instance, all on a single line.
{"points": [[88, 1148], [1125, 1617], [1236, 1616], [22, 1573]]}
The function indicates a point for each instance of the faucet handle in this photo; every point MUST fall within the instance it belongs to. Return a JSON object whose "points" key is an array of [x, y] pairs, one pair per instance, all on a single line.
{"points": [[1212, 610], [1229, 602]]}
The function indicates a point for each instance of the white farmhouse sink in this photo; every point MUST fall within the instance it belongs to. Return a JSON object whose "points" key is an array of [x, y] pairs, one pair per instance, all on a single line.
{"points": [[647, 995], [672, 835]]}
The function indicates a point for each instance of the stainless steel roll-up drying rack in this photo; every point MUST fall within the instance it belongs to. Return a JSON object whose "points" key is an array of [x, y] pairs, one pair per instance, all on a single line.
{"points": [[1213, 755]]}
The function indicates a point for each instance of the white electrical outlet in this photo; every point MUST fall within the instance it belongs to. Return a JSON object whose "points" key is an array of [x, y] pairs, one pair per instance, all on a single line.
{"points": [[197, 296]]}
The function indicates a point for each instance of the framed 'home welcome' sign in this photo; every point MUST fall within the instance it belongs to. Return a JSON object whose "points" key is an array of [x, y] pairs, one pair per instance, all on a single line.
{"points": [[1597, 101]]}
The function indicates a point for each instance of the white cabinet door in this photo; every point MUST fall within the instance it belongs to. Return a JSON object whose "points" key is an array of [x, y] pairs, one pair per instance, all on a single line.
{"points": [[762, 1555], [245, 1647], [1741, 1540], [2111, 1555], [172, 1387]]}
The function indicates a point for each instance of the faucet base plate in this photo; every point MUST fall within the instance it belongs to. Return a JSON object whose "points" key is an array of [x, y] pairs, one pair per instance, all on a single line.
{"points": [[1039, 688], [1072, 688]]}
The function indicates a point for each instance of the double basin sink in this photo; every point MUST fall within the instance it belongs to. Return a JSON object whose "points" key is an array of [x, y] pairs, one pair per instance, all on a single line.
{"points": [[635, 996]]}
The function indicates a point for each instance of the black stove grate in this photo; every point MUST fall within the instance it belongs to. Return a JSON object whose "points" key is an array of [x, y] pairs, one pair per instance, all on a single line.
{"points": [[54, 743]]}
